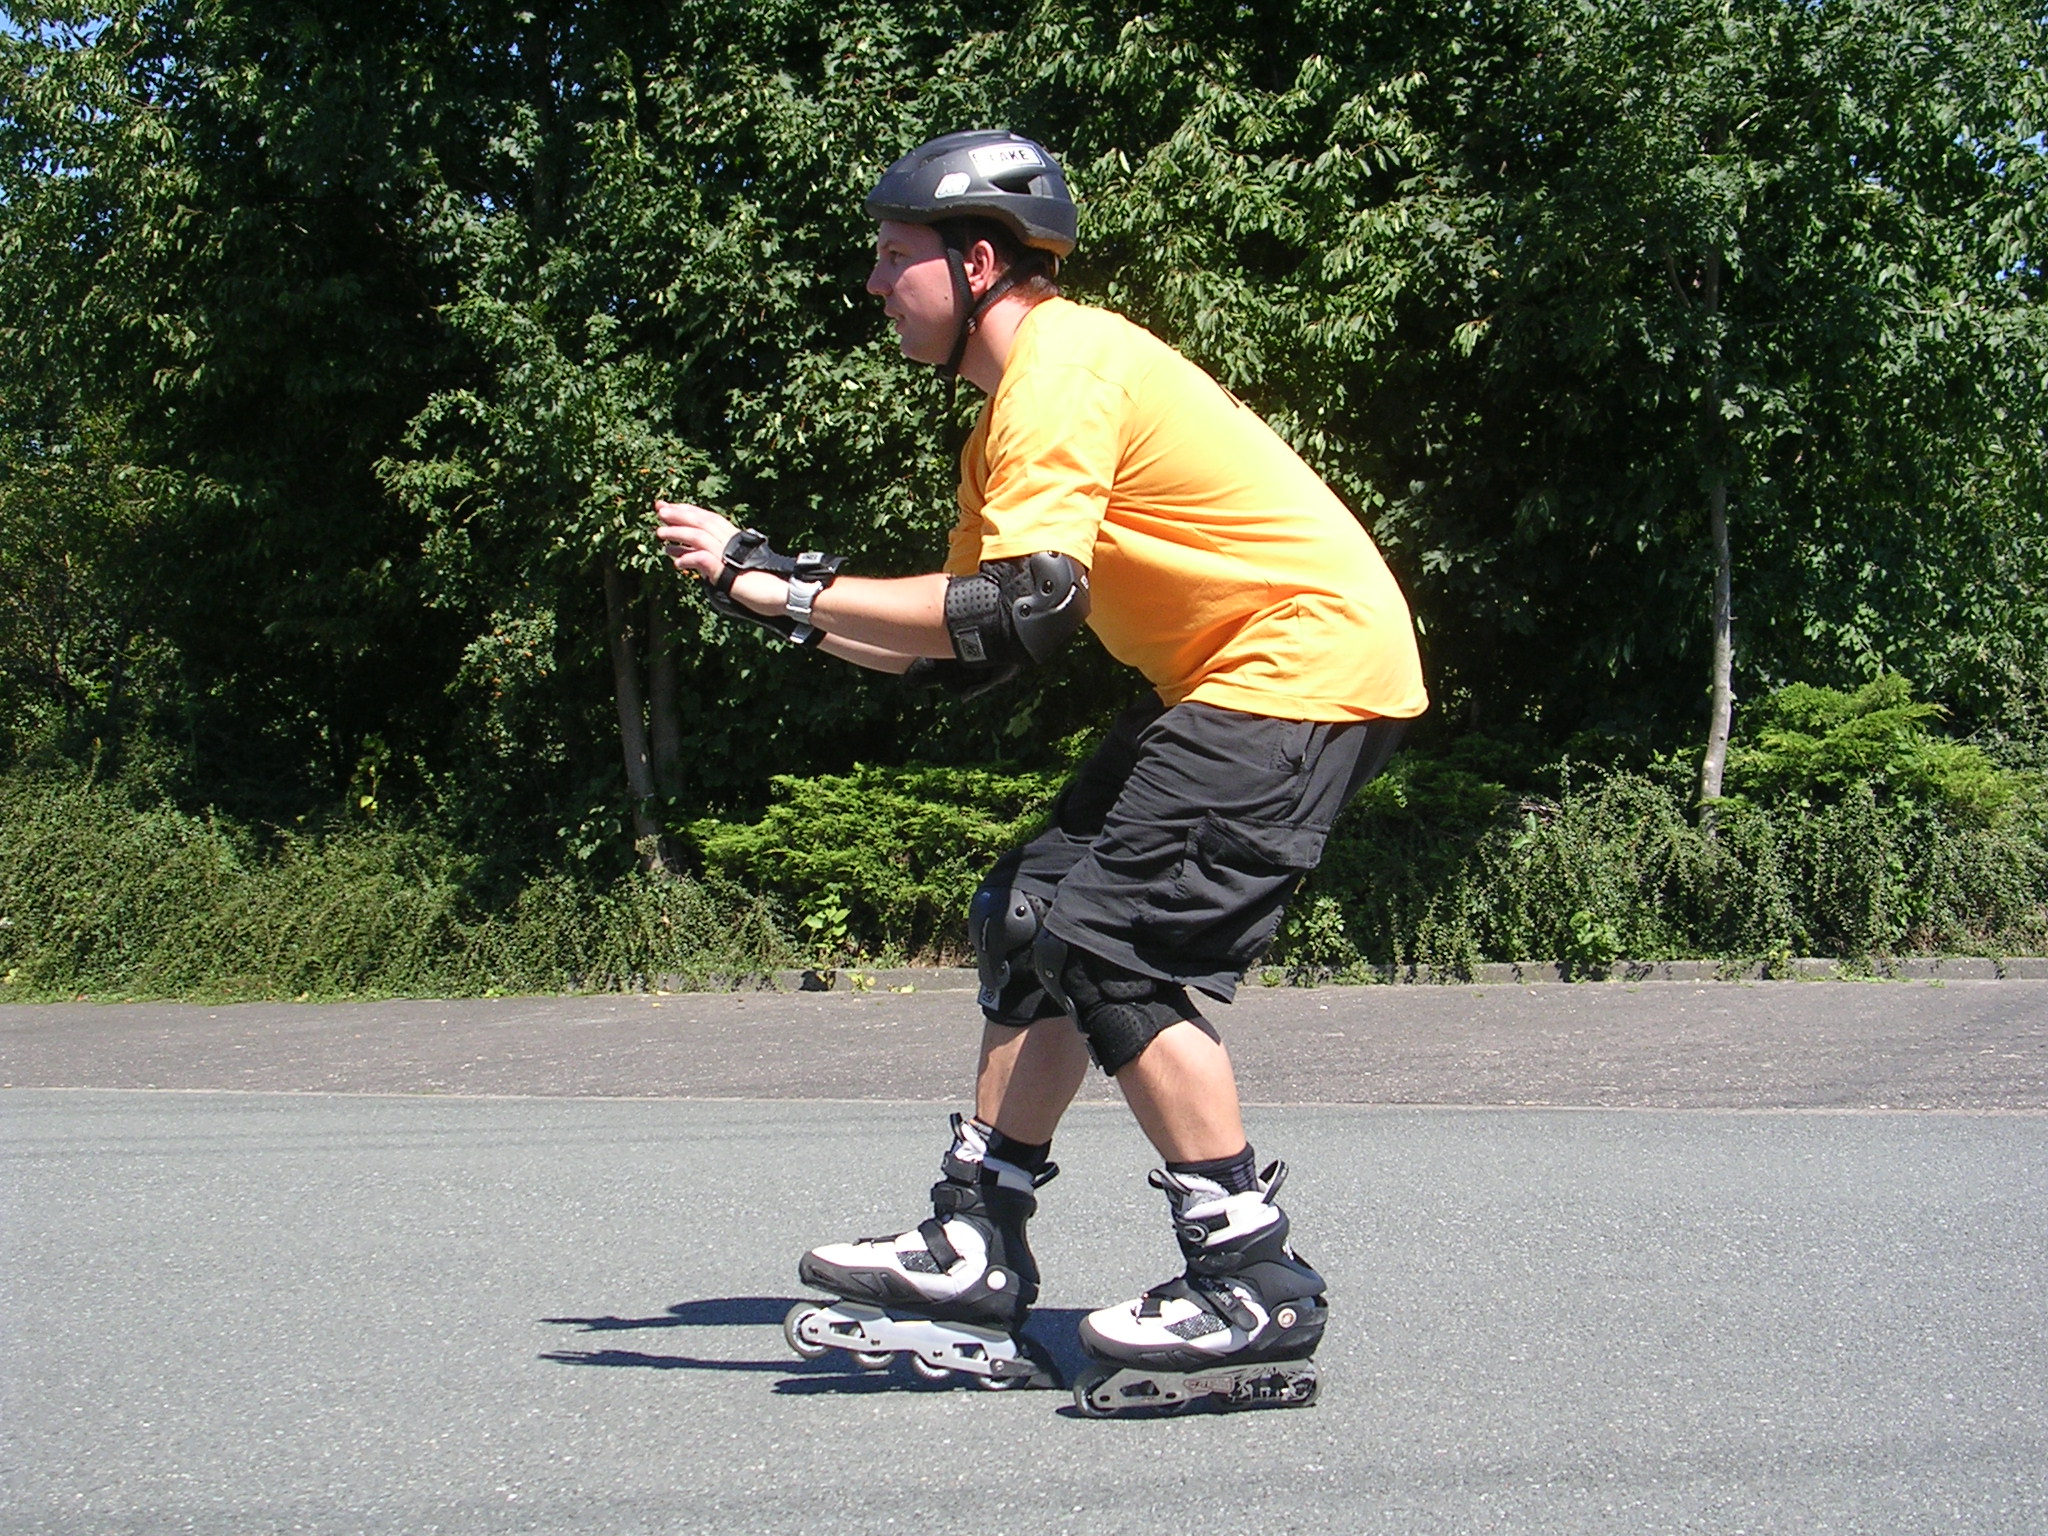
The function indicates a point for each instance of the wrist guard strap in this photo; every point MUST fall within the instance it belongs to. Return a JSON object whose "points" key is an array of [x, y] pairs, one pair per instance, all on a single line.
{"points": [[749, 550]]}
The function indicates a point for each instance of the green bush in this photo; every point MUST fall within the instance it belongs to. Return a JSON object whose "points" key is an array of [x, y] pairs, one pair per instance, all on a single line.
{"points": [[1813, 746], [879, 863], [1851, 830], [101, 897]]}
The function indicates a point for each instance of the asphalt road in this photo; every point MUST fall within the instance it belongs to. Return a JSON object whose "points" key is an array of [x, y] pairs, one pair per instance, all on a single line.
{"points": [[1677, 1045], [1734, 1280]]}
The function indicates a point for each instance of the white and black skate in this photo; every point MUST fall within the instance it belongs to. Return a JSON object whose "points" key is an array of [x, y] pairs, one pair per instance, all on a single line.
{"points": [[1237, 1330], [951, 1293]]}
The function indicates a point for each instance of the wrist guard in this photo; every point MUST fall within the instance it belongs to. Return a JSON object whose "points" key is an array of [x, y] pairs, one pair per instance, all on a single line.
{"points": [[749, 550]]}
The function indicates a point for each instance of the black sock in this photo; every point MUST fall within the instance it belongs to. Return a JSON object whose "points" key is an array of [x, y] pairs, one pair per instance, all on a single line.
{"points": [[1028, 1155], [1012, 1163], [1238, 1175]]}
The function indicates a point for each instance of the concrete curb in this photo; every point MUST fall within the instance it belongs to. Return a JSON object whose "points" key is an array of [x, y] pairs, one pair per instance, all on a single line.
{"points": [[863, 978], [857, 978], [1923, 968]]}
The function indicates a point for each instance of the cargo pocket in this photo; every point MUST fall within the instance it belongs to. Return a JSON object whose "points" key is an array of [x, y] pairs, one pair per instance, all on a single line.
{"points": [[1223, 903]]}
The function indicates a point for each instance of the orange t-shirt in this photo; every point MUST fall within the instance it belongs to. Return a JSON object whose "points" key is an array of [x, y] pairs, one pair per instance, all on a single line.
{"points": [[1220, 565]]}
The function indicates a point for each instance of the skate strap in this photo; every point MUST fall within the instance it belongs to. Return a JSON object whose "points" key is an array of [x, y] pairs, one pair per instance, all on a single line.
{"points": [[1212, 1296], [1271, 1180], [934, 1234]]}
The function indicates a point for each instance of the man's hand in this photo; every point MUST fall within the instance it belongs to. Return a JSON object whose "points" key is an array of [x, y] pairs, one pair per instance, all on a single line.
{"points": [[696, 537]]}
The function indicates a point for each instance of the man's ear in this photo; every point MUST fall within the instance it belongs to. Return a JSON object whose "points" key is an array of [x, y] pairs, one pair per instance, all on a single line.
{"points": [[983, 266]]}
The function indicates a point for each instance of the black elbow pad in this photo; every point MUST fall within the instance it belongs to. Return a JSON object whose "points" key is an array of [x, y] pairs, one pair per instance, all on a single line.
{"points": [[1016, 611]]}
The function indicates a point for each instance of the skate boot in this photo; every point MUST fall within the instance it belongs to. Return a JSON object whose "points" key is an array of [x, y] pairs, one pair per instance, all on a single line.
{"points": [[1235, 1331], [951, 1293]]}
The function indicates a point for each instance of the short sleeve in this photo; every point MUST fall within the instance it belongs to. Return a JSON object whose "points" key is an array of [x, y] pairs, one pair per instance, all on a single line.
{"points": [[1054, 439], [963, 544]]}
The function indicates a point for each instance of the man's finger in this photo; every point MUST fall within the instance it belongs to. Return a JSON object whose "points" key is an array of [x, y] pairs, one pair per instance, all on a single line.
{"points": [[680, 513]]}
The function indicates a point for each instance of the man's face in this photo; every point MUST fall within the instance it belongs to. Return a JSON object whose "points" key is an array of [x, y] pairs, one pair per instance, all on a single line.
{"points": [[916, 289]]}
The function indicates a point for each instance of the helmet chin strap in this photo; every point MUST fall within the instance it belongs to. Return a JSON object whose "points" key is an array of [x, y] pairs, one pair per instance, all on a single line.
{"points": [[971, 310]]}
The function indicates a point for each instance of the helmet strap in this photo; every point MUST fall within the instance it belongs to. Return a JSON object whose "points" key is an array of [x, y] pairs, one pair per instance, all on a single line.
{"points": [[969, 312], [972, 309]]}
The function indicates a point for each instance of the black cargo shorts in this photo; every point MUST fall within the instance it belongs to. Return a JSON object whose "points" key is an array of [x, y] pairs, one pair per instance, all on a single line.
{"points": [[1174, 848]]}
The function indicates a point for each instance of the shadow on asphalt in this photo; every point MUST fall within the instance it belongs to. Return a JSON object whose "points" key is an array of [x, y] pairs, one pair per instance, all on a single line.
{"points": [[712, 1312], [1053, 1327]]}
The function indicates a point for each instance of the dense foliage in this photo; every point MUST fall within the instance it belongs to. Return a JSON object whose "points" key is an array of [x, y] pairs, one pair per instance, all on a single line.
{"points": [[1856, 832], [879, 861], [1853, 831], [105, 897], [343, 347]]}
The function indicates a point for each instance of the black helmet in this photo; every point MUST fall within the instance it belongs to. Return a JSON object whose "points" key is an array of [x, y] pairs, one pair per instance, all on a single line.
{"points": [[982, 173]]}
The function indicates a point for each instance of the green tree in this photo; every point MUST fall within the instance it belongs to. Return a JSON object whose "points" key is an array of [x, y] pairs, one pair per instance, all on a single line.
{"points": [[211, 286], [1800, 241], [1556, 292], [696, 328], [378, 328]]}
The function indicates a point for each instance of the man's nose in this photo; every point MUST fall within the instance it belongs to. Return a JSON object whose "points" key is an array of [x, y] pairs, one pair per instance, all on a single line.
{"points": [[876, 286]]}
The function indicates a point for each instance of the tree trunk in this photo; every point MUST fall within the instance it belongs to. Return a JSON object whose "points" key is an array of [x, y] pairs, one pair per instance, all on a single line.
{"points": [[1721, 709], [626, 690], [1721, 705], [665, 725]]}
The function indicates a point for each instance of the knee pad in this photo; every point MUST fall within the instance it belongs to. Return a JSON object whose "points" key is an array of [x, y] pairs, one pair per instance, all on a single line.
{"points": [[1119, 1012], [1003, 921]]}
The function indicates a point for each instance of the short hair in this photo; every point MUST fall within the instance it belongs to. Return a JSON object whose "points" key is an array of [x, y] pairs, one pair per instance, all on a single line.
{"points": [[961, 234]]}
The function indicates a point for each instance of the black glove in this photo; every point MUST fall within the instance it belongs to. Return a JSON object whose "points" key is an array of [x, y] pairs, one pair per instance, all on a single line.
{"points": [[958, 677]]}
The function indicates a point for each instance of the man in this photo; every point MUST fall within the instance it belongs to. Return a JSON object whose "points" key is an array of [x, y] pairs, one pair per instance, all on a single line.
{"points": [[1108, 481]]}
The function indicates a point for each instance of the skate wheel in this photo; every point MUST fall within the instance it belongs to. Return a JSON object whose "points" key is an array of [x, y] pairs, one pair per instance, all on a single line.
{"points": [[876, 1360], [802, 1346], [1084, 1392], [927, 1370], [999, 1383]]}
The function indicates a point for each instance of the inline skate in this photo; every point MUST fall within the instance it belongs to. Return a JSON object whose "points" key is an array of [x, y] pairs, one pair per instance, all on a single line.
{"points": [[951, 1293], [1237, 1330]]}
